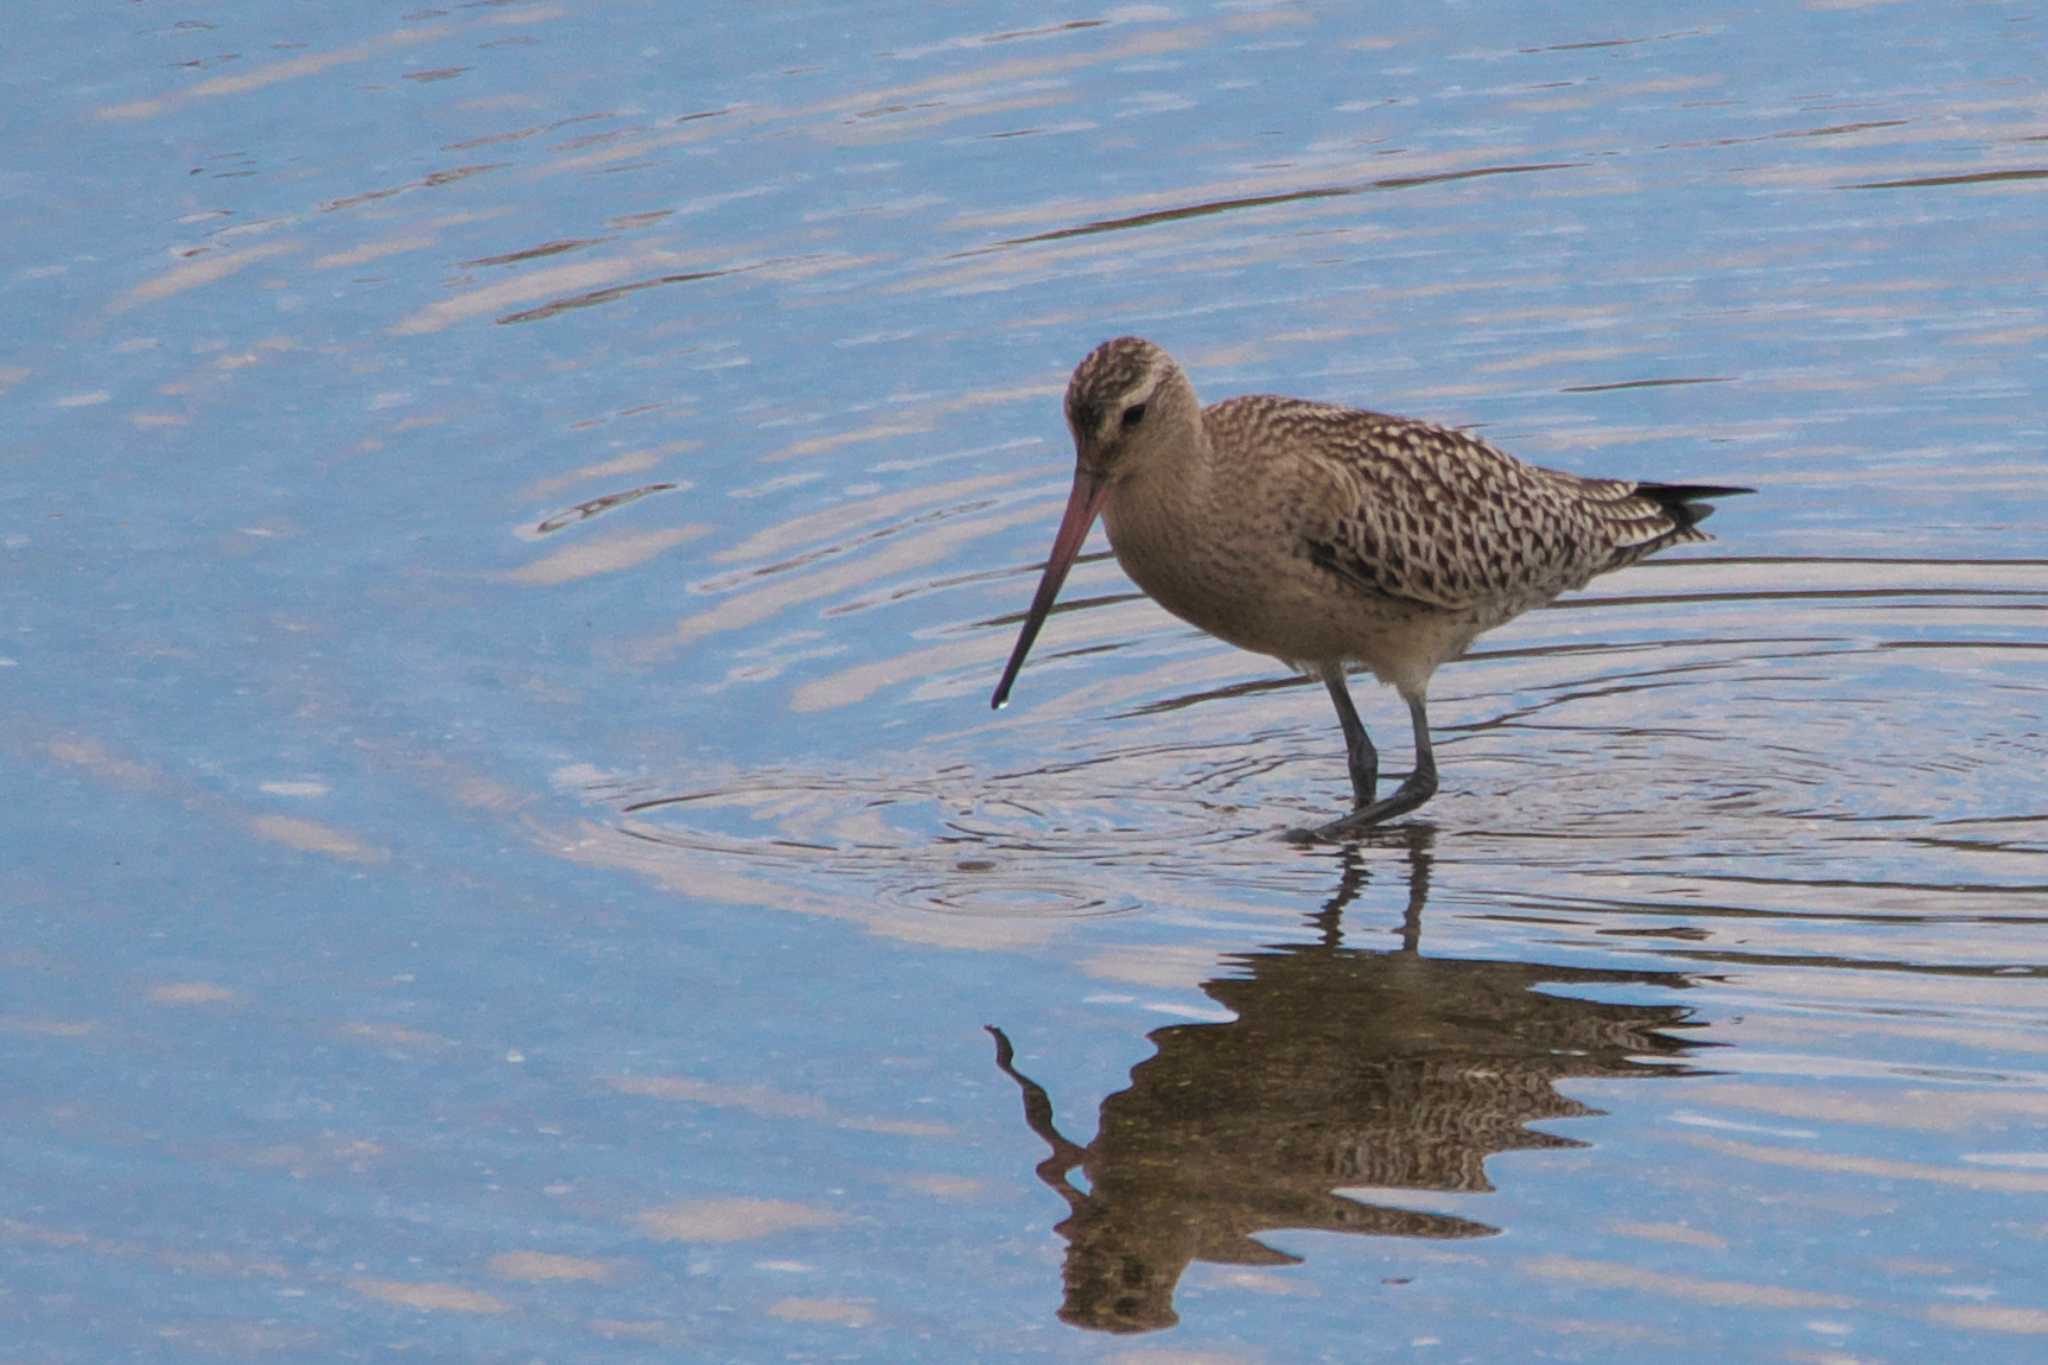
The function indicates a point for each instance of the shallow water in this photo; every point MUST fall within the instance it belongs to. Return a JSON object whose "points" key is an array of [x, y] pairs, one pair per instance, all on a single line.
{"points": [[517, 511]]}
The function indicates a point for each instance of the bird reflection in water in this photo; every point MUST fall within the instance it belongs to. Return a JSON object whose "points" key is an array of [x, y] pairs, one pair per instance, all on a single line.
{"points": [[1344, 1067]]}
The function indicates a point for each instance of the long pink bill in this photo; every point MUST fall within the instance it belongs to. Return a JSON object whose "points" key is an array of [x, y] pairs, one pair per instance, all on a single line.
{"points": [[1082, 506]]}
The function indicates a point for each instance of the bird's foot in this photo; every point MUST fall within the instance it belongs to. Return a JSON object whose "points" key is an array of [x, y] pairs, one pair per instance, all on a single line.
{"points": [[1419, 787]]}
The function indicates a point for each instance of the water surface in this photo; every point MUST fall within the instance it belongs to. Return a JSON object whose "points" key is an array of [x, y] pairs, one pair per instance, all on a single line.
{"points": [[516, 511]]}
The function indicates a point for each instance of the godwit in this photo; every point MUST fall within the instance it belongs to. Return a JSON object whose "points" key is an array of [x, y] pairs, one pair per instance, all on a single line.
{"points": [[1322, 535]]}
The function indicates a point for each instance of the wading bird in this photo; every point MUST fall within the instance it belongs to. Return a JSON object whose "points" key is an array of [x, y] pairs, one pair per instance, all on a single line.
{"points": [[1324, 535]]}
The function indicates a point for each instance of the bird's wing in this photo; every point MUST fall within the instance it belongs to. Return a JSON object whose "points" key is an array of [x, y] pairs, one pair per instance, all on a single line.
{"points": [[1412, 510]]}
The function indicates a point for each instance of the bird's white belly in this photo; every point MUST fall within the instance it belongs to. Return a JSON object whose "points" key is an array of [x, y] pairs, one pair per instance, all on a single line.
{"points": [[1260, 594]]}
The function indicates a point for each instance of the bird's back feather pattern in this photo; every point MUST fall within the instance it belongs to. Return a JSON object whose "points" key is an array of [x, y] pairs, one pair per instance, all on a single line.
{"points": [[1420, 512]]}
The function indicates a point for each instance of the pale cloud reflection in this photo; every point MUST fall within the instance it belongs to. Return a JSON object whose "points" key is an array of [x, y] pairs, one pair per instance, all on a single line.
{"points": [[198, 273], [731, 1220], [608, 554], [1878, 1168], [1691, 1288], [431, 1297]]}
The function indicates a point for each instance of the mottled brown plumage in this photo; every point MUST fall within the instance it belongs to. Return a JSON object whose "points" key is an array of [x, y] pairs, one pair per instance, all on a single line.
{"points": [[1323, 535]]}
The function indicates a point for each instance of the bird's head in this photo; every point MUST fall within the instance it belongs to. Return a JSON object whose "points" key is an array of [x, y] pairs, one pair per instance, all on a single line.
{"points": [[1131, 410], [1128, 406]]}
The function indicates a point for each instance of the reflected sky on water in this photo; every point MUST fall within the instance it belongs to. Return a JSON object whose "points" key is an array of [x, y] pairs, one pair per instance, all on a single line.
{"points": [[515, 511]]}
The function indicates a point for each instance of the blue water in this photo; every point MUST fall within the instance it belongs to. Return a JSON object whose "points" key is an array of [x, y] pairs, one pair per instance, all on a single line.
{"points": [[514, 512]]}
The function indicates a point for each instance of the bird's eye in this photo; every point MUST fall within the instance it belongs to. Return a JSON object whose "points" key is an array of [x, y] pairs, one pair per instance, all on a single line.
{"points": [[1133, 415]]}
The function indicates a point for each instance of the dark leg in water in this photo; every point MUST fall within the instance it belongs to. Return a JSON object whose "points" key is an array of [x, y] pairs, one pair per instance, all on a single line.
{"points": [[1420, 786], [1364, 759]]}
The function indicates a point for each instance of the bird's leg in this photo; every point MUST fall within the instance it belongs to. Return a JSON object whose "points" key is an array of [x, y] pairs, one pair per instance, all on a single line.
{"points": [[1420, 786], [1358, 750]]}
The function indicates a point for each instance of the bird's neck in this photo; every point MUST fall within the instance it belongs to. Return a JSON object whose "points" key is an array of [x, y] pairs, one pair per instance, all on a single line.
{"points": [[1160, 505]]}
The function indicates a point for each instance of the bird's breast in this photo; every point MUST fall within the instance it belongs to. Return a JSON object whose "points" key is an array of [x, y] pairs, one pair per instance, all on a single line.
{"points": [[1236, 569]]}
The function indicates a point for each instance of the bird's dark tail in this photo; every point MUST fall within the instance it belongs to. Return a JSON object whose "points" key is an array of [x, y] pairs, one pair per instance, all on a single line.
{"points": [[1687, 503]]}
